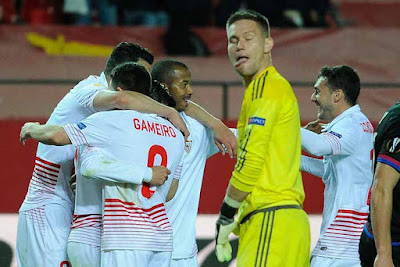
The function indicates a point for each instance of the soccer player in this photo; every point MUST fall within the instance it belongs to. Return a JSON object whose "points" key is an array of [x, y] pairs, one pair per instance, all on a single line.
{"points": [[113, 163], [266, 183], [346, 169], [380, 240], [46, 213], [182, 209]]}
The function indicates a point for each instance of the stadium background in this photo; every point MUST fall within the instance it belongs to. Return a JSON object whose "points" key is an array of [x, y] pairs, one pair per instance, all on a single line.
{"points": [[39, 65]]}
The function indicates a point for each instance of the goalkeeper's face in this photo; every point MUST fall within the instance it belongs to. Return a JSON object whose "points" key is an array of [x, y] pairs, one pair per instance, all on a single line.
{"points": [[248, 48], [323, 97]]}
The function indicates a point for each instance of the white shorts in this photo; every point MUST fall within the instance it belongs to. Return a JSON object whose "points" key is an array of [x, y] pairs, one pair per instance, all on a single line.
{"points": [[123, 258], [42, 236], [188, 262], [318, 261], [83, 255]]}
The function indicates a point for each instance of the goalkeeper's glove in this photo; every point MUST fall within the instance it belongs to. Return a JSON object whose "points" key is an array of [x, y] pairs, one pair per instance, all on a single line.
{"points": [[225, 225]]}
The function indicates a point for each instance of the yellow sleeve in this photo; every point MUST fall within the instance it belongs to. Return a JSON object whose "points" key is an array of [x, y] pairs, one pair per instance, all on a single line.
{"points": [[261, 116]]}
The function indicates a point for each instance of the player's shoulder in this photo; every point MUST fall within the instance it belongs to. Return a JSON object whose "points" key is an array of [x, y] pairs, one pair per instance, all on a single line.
{"points": [[191, 122], [392, 116], [112, 115], [277, 87], [276, 79], [390, 120], [92, 82]]}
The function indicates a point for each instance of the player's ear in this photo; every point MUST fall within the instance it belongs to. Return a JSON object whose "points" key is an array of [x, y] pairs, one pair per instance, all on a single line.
{"points": [[268, 44], [337, 95]]}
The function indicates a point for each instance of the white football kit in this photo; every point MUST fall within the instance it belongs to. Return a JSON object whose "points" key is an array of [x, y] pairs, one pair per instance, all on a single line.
{"points": [[134, 217], [182, 209], [346, 170], [91, 168], [41, 237]]}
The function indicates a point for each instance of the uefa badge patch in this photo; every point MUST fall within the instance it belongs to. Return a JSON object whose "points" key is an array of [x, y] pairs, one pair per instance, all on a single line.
{"points": [[338, 135], [81, 126], [256, 121]]}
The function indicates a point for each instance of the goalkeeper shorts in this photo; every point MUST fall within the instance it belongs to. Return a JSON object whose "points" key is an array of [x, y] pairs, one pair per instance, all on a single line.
{"points": [[275, 237]]}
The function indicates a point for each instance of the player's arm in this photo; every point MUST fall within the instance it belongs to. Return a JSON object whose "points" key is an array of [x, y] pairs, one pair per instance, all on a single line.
{"points": [[251, 157], [337, 142], [95, 165], [213, 148], [262, 115], [222, 133], [314, 143], [175, 182], [312, 165], [108, 100], [385, 179], [46, 134]]}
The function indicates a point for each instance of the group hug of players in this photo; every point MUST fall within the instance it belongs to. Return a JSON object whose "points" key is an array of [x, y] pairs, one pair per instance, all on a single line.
{"points": [[138, 146]]}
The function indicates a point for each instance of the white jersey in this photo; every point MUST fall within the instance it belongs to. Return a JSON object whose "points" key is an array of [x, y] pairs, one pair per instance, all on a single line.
{"points": [[346, 144], [54, 164], [91, 168], [182, 209], [134, 216]]}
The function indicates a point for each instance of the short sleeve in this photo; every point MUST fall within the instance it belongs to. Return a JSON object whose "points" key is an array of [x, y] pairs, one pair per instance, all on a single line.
{"points": [[84, 96], [90, 132], [342, 140], [390, 153]]}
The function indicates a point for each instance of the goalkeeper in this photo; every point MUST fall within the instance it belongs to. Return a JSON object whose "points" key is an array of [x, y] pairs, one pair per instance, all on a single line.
{"points": [[266, 184]]}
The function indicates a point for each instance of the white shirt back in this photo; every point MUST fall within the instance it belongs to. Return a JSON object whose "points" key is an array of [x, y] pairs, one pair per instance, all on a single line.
{"points": [[134, 215], [182, 209], [54, 164], [347, 178]]}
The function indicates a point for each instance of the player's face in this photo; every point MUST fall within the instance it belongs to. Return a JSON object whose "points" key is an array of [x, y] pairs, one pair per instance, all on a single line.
{"points": [[248, 47], [323, 99], [181, 88]]}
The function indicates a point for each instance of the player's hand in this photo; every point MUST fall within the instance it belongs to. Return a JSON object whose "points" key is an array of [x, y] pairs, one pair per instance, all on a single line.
{"points": [[160, 175], [178, 122], [25, 134], [224, 136], [383, 261], [224, 227], [314, 126]]}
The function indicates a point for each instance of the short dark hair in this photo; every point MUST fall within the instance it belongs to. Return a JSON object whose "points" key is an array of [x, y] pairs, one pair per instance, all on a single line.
{"points": [[160, 94], [131, 76], [342, 77], [127, 51], [164, 69], [250, 15]]}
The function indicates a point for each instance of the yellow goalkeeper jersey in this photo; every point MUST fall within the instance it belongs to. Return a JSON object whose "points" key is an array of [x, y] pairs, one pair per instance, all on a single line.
{"points": [[268, 162]]}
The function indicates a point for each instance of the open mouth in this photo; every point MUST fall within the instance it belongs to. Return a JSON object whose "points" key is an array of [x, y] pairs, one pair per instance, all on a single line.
{"points": [[241, 60]]}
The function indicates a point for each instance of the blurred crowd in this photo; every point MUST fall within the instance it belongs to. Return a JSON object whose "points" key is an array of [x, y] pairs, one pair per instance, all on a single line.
{"points": [[283, 13]]}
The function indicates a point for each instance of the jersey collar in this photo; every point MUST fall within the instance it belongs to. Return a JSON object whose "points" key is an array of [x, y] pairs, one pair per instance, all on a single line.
{"points": [[347, 112]]}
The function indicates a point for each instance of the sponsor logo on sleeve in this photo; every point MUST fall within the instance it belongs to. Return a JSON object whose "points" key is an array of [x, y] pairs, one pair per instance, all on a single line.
{"points": [[256, 121], [394, 145], [335, 134], [81, 125]]}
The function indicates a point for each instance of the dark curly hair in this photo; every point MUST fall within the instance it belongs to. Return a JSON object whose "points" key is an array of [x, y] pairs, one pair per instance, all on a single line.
{"points": [[159, 93], [342, 77]]}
